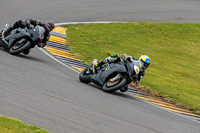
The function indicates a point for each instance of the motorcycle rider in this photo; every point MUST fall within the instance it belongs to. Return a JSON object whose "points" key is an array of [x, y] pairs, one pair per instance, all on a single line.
{"points": [[48, 26], [142, 63]]}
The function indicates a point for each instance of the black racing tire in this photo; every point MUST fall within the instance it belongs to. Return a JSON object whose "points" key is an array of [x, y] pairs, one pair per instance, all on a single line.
{"points": [[15, 49], [0, 38], [84, 76], [114, 88]]}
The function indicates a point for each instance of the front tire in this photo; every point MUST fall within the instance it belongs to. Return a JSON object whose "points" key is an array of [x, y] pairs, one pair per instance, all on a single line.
{"points": [[18, 47], [107, 88], [84, 76]]}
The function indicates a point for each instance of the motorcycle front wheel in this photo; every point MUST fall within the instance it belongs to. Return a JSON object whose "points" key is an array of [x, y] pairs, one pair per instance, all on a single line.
{"points": [[84, 76], [19, 46], [114, 86]]}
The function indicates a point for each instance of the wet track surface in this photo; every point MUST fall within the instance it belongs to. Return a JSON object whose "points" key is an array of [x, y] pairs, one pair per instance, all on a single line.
{"points": [[41, 92]]}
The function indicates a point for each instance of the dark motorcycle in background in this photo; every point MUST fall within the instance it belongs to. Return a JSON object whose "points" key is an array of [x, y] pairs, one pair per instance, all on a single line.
{"points": [[111, 77], [22, 39]]}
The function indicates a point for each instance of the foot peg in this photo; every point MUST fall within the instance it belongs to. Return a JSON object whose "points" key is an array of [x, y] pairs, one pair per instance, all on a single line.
{"points": [[3, 34]]}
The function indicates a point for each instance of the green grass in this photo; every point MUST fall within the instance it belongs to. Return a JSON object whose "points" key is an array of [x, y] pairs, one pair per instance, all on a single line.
{"points": [[10, 125], [173, 48]]}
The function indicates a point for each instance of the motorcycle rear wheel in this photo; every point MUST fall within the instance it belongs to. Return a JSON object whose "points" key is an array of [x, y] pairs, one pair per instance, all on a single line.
{"points": [[84, 76], [18, 48], [114, 87]]}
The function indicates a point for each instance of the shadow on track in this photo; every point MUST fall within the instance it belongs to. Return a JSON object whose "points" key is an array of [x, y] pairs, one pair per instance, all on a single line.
{"points": [[23, 56], [29, 57], [116, 93]]}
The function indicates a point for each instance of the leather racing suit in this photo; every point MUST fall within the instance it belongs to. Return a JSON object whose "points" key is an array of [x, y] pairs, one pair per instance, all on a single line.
{"points": [[29, 22]]}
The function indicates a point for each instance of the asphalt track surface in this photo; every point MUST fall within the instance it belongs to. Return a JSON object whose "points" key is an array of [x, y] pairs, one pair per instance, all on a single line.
{"points": [[42, 92]]}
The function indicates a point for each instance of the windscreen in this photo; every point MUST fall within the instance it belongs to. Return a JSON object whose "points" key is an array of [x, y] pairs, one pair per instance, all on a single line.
{"points": [[41, 31]]}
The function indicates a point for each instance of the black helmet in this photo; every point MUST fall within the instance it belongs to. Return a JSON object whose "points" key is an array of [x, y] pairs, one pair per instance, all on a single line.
{"points": [[49, 25]]}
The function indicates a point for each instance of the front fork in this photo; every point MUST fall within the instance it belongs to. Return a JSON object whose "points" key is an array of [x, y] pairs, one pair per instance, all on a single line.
{"points": [[22, 41], [116, 78]]}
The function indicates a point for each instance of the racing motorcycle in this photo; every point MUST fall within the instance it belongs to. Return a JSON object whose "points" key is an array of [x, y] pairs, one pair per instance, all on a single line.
{"points": [[21, 39], [111, 77]]}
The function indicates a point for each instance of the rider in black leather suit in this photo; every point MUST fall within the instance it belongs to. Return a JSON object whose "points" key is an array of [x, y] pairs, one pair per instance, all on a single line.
{"points": [[48, 26]]}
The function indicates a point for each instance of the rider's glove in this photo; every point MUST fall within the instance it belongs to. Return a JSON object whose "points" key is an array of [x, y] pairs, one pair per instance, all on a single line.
{"points": [[41, 45], [126, 57], [28, 23]]}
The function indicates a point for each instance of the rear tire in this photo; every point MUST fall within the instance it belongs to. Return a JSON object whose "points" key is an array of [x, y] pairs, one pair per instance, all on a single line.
{"points": [[18, 48], [84, 76], [114, 88]]}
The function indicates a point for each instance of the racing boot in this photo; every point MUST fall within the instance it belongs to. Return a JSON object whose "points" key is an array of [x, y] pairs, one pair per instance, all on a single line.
{"points": [[26, 51], [124, 88], [95, 63], [6, 30], [3, 34]]}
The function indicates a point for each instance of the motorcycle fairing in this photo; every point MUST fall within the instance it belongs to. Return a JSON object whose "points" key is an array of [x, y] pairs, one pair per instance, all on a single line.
{"points": [[16, 34], [112, 69], [34, 34], [37, 33], [3, 43], [130, 70]]}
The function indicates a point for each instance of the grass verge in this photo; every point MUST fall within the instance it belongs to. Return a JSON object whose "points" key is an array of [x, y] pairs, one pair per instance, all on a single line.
{"points": [[173, 49], [10, 125]]}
